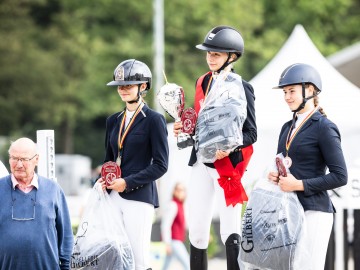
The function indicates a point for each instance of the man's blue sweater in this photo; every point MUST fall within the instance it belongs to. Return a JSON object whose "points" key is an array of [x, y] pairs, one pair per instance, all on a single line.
{"points": [[42, 243]]}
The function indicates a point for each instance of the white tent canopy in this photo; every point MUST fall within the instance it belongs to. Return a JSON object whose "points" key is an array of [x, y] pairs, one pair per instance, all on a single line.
{"points": [[339, 98]]}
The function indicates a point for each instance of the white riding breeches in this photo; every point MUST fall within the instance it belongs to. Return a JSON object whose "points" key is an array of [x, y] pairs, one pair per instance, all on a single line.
{"points": [[205, 193], [137, 219]]}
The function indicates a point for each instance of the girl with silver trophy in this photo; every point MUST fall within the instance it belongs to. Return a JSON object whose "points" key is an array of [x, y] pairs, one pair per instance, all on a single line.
{"points": [[224, 134]]}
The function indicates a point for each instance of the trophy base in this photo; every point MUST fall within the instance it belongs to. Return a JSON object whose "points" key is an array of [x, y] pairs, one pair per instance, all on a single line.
{"points": [[184, 140]]}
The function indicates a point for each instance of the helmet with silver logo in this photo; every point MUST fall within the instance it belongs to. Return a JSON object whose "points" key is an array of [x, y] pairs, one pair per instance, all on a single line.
{"points": [[131, 72], [223, 39]]}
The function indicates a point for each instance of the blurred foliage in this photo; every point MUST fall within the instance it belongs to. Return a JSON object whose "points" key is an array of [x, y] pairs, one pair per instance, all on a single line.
{"points": [[56, 56], [214, 243]]}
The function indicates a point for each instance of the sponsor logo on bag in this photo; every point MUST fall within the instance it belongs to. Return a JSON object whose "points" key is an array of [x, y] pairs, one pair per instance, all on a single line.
{"points": [[85, 261], [268, 225], [247, 244], [267, 211]]}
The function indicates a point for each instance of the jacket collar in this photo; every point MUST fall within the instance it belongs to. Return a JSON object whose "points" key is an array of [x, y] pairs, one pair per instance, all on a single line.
{"points": [[142, 114], [143, 111], [315, 117]]}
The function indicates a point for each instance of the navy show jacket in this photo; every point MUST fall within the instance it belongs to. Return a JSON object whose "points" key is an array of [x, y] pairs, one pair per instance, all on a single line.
{"points": [[316, 148], [145, 153]]}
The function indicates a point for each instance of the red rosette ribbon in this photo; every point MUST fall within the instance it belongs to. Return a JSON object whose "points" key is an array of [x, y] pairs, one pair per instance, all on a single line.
{"points": [[280, 167], [188, 118], [110, 171], [230, 177], [233, 189]]}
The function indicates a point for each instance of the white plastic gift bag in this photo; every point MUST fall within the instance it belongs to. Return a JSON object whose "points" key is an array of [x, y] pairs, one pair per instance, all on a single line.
{"points": [[274, 230], [221, 117], [101, 241]]}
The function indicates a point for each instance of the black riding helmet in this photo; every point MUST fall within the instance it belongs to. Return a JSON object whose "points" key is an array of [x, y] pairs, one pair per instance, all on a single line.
{"points": [[303, 74], [223, 39], [131, 72]]}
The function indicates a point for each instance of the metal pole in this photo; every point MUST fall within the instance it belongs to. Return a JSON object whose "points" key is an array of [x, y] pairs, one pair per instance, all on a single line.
{"points": [[356, 241], [339, 237], [46, 148], [330, 254], [158, 49]]}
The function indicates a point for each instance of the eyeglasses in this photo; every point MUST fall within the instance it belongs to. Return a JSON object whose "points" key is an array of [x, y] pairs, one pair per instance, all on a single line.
{"points": [[23, 160], [19, 211]]}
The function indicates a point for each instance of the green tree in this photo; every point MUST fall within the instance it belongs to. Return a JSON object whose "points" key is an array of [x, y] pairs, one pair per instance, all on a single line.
{"points": [[331, 24], [44, 66]]}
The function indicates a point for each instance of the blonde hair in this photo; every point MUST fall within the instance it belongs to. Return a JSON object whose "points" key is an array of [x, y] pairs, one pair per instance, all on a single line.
{"points": [[316, 103], [316, 98]]}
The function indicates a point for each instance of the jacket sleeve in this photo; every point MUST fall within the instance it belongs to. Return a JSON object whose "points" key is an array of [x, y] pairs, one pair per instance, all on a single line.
{"points": [[109, 155], [160, 155], [64, 232], [249, 128], [330, 147]]}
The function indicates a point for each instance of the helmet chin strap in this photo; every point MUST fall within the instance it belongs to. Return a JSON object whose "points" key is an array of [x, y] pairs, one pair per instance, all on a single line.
{"points": [[227, 62], [302, 105], [138, 96]]}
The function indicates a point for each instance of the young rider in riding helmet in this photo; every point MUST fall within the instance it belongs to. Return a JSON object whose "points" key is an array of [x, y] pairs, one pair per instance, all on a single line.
{"points": [[136, 139], [311, 143], [223, 45]]}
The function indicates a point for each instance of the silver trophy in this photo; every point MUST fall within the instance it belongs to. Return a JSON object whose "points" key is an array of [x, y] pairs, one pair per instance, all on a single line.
{"points": [[172, 99]]}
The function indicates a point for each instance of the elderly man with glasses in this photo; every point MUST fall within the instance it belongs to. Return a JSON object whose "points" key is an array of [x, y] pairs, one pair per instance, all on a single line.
{"points": [[35, 225]]}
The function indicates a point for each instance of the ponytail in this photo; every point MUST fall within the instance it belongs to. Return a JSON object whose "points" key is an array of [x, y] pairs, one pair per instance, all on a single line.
{"points": [[316, 103]]}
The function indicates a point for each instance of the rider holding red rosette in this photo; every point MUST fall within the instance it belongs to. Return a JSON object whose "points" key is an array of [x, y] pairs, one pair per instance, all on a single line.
{"points": [[224, 134], [135, 141]]}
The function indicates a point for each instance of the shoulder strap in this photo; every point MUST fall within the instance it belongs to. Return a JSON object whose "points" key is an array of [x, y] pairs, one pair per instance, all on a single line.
{"points": [[199, 92]]}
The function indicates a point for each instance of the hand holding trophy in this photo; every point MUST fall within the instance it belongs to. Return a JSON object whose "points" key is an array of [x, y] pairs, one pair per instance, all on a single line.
{"points": [[172, 99]]}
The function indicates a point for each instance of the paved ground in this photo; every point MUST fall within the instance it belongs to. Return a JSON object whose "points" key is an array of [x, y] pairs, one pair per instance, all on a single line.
{"points": [[220, 264], [158, 255], [214, 264]]}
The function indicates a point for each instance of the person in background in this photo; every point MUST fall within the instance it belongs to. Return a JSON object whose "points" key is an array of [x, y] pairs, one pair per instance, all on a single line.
{"points": [[136, 139], [35, 224], [173, 229], [311, 145], [210, 183]]}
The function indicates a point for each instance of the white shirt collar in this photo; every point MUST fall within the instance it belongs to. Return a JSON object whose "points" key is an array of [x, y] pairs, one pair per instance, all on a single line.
{"points": [[34, 182]]}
